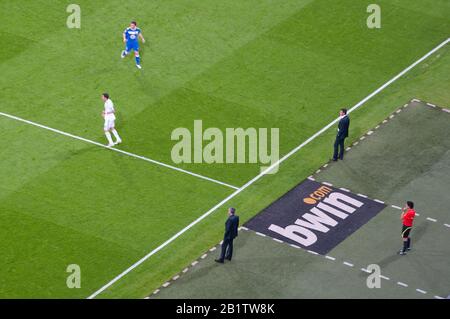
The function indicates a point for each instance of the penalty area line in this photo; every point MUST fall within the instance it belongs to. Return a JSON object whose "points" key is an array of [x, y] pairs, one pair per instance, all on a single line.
{"points": [[260, 175], [16, 118]]}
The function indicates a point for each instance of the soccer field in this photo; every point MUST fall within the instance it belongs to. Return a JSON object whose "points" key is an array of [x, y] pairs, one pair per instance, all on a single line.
{"points": [[258, 63]]}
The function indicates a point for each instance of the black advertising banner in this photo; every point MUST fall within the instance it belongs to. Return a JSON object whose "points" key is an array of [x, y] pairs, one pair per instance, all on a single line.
{"points": [[315, 216]]}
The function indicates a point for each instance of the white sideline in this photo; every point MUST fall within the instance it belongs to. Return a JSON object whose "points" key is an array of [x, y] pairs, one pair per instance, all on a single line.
{"points": [[256, 178], [116, 150]]}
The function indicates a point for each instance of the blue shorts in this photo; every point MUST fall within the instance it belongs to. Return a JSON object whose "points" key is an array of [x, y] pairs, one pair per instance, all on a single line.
{"points": [[132, 46]]}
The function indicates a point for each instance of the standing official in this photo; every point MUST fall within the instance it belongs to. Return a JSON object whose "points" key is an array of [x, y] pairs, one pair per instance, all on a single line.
{"points": [[342, 134], [408, 214], [231, 232]]}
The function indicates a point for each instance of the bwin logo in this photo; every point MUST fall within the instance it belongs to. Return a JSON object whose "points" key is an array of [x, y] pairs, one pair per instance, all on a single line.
{"points": [[320, 218]]}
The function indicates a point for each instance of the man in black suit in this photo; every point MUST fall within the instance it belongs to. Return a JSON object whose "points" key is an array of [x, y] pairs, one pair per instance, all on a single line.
{"points": [[231, 232], [342, 134]]}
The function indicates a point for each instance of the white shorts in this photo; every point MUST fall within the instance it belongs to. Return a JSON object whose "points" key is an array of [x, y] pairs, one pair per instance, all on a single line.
{"points": [[109, 124]]}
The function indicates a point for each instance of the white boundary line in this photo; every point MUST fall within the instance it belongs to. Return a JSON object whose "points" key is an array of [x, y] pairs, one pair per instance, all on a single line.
{"points": [[256, 178], [116, 150]]}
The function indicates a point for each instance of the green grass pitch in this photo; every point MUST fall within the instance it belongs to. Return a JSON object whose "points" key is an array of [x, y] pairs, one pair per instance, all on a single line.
{"points": [[256, 63]]}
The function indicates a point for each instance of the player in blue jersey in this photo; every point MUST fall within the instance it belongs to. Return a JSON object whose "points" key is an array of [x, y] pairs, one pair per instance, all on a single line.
{"points": [[131, 39]]}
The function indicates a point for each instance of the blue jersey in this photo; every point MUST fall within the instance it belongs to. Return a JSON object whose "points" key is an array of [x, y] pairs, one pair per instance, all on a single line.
{"points": [[132, 35]]}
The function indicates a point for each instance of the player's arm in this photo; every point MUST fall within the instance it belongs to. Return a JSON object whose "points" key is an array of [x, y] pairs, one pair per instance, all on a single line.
{"points": [[403, 212], [124, 37], [142, 37]]}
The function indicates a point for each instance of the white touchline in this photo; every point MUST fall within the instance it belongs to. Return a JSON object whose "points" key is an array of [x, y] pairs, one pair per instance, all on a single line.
{"points": [[256, 178], [116, 150]]}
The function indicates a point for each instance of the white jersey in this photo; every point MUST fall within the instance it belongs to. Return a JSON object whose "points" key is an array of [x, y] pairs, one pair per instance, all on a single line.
{"points": [[109, 111]]}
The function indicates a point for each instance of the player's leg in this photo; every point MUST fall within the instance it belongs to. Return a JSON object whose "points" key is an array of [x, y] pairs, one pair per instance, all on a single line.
{"points": [[109, 138], [137, 57], [107, 128], [116, 135], [408, 244], [125, 52]]}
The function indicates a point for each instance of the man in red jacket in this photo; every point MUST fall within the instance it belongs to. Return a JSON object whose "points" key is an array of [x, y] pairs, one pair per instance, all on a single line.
{"points": [[408, 214]]}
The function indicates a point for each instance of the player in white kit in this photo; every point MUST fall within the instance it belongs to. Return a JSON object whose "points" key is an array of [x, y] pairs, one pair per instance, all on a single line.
{"points": [[110, 118]]}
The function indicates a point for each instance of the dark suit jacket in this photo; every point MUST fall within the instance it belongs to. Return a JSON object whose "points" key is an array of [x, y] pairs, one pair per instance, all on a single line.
{"points": [[343, 126], [231, 227]]}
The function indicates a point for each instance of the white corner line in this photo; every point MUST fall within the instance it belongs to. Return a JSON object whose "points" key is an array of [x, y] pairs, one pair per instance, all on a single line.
{"points": [[447, 225], [416, 100], [311, 178], [446, 110], [396, 207], [185, 270], [311, 252], [379, 201], [431, 219], [244, 228], [117, 150], [345, 189], [166, 284], [326, 183], [260, 234], [204, 256], [402, 284], [438, 297], [365, 270], [384, 277], [263, 173], [176, 277], [156, 291], [362, 195], [278, 241], [212, 249], [194, 263], [330, 258]]}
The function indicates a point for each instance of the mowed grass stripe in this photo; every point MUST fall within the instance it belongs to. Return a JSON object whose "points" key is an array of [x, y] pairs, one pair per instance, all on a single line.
{"points": [[118, 201]]}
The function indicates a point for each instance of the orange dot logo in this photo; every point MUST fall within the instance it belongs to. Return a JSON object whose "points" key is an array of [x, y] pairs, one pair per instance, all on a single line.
{"points": [[309, 201]]}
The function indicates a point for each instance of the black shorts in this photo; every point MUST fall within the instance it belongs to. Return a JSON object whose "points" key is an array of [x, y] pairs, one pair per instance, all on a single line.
{"points": [[405, 231]]}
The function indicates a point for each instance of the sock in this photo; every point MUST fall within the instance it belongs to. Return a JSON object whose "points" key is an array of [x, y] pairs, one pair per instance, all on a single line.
{"points": [[108, 136], [138, 60], [125, 53], [408, 243], [116, 135], [405, 245]]}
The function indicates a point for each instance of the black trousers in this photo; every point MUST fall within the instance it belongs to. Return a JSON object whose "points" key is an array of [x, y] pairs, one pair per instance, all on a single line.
{"points": [[227, 249], [339, 148]]}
